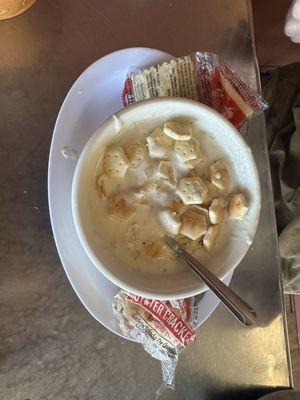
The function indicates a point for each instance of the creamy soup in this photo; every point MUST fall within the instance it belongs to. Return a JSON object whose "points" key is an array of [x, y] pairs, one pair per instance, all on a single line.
{"points": [[150, 184]]}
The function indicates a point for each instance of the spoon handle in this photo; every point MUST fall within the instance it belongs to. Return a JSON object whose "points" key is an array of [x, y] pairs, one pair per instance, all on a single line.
{"points": [[239, 308]]}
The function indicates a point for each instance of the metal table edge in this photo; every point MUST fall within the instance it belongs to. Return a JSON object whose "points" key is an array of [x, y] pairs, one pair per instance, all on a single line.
{"points": [[284, 317]]}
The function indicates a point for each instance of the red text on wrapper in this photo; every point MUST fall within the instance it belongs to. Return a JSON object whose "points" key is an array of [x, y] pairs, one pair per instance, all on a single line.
{"points": [[178, 328]]}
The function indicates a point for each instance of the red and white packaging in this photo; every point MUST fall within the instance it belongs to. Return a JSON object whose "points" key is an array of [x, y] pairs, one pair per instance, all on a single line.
{"points": [[164, 328], [174, 323], [201, 76]]}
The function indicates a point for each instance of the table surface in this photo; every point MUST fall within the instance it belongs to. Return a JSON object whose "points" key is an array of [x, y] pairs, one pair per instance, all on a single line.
{"points": [[50, 347]]}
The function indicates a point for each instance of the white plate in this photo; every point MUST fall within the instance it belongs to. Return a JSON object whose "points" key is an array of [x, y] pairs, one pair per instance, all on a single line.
{"points": [[92, 99]]}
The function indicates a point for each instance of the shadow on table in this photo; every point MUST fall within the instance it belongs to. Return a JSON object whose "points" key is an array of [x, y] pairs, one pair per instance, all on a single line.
{"points": [[242, 394], [252, 393]]}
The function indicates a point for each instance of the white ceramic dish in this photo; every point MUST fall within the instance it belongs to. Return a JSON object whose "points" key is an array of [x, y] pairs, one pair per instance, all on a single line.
{"points": [[92, 99], [151, 114]]}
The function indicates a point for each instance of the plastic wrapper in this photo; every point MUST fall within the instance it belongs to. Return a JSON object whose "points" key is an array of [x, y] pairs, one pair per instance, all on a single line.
{"points": [[163, 328], [202, 77]]}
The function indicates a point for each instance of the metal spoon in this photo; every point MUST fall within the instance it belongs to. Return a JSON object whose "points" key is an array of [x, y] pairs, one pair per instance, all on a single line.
{"points": [[239, 308]]}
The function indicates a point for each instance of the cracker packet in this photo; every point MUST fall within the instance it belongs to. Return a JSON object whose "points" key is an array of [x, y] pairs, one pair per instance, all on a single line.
{"points": [[201, 76], [164, 328]]}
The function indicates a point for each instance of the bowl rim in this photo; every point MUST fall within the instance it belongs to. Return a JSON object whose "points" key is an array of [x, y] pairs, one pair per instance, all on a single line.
{"points": [[75, 188]]}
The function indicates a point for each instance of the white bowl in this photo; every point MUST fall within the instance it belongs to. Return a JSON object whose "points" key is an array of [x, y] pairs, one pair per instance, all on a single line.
{"points": [[221, 262]]}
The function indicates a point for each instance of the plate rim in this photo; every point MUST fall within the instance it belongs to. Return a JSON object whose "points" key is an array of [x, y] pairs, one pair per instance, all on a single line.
{"points": [[49, 178], [50, 161]]}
